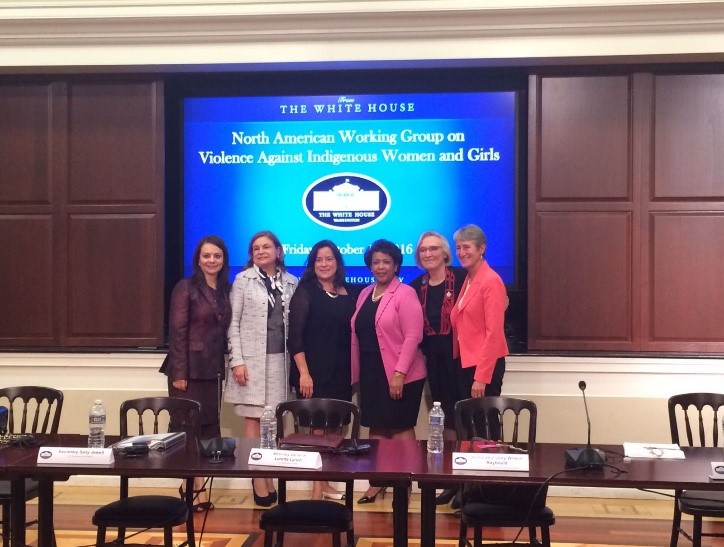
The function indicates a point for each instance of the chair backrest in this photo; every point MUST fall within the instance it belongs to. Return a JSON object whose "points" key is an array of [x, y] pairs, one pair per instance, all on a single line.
{"points": [[700, 414], [32, 409], [183, 415], [330, 416], [497, 419]]}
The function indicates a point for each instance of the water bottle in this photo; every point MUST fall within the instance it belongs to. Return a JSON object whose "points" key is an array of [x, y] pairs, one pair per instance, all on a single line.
{"points": [[97, 425], [268, 428], [436, 424]]}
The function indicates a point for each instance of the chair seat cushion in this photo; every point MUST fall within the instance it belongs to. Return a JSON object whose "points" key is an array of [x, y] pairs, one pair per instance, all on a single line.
{"points": [[307, 513], [501, 515], [142, 512], [709, 504]]}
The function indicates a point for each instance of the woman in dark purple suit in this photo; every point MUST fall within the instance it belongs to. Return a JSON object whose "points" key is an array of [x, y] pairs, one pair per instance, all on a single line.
{"points": [[199, 317]]}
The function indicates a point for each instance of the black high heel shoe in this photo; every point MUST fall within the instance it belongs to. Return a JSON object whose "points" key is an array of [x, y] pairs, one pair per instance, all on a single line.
{"points": [[263, 501], [198, 506], [371, 499], [446, 496]]}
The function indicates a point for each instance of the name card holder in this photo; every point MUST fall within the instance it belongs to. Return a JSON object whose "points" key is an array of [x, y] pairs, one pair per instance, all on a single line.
{"points": [[490, 461], [717, 471], [64, 455], [285, 458]]}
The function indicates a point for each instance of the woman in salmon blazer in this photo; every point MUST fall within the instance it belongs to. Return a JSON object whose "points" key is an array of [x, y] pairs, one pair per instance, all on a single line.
{"points": [[478, 317]]}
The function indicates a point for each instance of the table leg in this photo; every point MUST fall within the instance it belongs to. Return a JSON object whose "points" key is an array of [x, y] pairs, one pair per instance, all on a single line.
{"points": [[400, 493], [45, 513], [427, 515], [17, 512]]}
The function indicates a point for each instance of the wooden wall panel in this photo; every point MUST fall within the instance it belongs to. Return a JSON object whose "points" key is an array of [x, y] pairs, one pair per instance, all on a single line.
{"points": [[689, 137], [26, 275], [687, 293], [113, 143], [670, 254], [584, 138], [81, 204], [584, 284], [25, 161], [113, 293]]}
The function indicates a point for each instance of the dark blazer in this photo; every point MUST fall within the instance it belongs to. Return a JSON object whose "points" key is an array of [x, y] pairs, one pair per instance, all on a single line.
{"points": [[197, 331]]}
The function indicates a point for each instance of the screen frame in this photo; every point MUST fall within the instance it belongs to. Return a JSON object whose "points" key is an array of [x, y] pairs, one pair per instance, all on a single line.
{"points": [[353, 82]]}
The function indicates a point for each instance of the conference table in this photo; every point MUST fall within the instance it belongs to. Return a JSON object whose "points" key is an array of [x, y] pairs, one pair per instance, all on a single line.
{"points": [[385, 462], [399, 463], [547, 463]]}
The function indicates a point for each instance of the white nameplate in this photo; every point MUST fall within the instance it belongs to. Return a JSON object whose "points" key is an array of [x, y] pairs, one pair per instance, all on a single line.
{"points": [[717, 471], [75, 455], [490, 461], [285, 458]]}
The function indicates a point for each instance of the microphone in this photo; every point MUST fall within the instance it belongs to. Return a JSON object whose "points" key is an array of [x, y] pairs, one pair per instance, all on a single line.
{"points": [[3, 422], [585, 458]]}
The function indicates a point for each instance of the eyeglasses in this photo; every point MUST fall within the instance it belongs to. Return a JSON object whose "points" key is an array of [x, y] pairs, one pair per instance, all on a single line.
{"points": [[432, 249]]}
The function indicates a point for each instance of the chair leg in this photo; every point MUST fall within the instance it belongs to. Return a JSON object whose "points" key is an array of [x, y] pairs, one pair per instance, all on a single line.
{"points": [[101, 536], [121, 536], [6, 525], [463, 535], [168, 536], [336, 540], [268, 538], [350, 538], [545, 535], [478, 536], [675, 524], [696, 535], [532, 535], [280, 539]]}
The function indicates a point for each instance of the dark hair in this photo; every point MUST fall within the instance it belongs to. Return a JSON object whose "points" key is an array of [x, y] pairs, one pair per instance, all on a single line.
{"points": [[309, 276], [222, 278], [275, 241], [386, 247]]}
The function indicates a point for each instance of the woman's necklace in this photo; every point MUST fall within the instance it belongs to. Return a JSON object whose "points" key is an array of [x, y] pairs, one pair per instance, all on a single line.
{"points": [[332, 294], [375, 296]]}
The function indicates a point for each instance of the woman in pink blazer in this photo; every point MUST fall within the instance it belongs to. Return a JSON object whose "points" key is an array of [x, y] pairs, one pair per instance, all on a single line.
{"points": [[386, 358], [478, 317]]}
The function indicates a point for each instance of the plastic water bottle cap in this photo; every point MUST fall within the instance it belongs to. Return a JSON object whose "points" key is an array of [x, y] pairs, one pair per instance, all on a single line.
{"points": [[98, 402]]}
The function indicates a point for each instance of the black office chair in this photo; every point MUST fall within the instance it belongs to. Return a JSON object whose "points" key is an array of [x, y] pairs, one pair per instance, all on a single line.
{"points": [[700, 414], [313, 516], [31, 410], [494, 505], [151, 511]]}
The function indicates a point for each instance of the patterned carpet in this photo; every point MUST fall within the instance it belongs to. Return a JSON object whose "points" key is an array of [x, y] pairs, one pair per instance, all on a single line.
{"points": [[76, 538], [85, 538]]}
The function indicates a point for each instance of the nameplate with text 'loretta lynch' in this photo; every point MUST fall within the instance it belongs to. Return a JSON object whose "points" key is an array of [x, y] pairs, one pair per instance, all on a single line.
{"points": [[285, 458], [489, 456]]}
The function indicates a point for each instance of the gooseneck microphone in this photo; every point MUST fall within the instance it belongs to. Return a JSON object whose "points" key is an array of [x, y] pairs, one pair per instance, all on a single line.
{"points": [[589, 457], [582, 387]]}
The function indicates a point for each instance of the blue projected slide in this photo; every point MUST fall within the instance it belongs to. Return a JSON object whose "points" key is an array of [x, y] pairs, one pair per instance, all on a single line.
{"points": [[351, 169]]}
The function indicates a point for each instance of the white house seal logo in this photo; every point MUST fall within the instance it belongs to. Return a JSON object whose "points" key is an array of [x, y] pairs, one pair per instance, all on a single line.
{"points": [[346, 201]]}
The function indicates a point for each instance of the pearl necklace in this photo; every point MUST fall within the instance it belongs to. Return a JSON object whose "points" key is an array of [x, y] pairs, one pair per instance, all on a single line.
{"points": [[375, 296]]}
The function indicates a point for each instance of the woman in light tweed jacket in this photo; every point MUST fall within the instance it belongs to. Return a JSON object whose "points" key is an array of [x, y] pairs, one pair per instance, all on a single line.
{"points": [[259, 362]]}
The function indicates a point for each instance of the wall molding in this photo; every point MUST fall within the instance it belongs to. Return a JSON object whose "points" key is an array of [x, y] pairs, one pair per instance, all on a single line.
{"points": [[222, 32]]}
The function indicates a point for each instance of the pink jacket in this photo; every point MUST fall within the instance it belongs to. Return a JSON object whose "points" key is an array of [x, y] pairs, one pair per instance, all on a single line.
{"points": [[398, 323], [478, 333]]}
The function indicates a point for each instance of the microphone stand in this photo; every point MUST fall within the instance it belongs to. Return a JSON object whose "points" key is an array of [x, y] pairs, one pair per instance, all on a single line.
{"points": [[589, 457]]}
